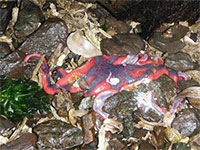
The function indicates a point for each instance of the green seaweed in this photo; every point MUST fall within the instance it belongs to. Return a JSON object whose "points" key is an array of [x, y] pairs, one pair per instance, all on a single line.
{"points": [[21, 98]]}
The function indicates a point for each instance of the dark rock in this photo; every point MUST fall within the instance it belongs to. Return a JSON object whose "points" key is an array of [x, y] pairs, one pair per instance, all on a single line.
{"points": [[165, 89], [6, 14], [139, 133], [4, 49], [180, 62], [5, 125], [44, 41], [186, 122], [169, 41], [116, 143], [122, 44], [56, 134], [187, 83], [193, 36], [13, 65], [88, 124], [25, 142], [170, 48], [29, 18], [181, 146], [100, 12], [119, 26], [146, 146]]}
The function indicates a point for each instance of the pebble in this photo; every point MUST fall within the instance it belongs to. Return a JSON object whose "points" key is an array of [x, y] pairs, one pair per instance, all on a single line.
{"points": [[186, 122], [28, 21], [55, 134], [122, 44]]}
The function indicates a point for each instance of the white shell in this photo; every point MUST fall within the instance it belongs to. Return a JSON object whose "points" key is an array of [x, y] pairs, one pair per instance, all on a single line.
{"points": [[78, 44]]}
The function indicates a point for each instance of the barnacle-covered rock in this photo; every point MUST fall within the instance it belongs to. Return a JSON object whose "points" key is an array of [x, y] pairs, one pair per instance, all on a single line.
{"points": [[56, 134], [129, 106]]}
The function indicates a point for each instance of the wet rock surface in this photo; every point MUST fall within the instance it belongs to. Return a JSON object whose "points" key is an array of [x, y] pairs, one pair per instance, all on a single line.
{"points": [[13, 65], [26, 141], [29, 19], [44, 42], [4, 49], [5, 11], [186, 122], [122, 44], [181, 62], [56, 134]]}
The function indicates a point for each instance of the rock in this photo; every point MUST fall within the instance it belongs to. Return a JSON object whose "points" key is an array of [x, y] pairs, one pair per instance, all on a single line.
{"points": [[146, 146], [170, 48], [187, 83], [122, 44], [88, 124], [5, 125], [44, 41], [139, 133], [28, 21], [169, 40], [4, 49], [180, 62], [13, 65], [186, 122], [181, 146], [116, 143], [25, 142], [55, 134], [119, 26], [165, 89], [6, 14]]}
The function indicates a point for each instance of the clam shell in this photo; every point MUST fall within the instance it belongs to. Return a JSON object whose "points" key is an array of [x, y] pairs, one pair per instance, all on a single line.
{"points": [[79, 44]]}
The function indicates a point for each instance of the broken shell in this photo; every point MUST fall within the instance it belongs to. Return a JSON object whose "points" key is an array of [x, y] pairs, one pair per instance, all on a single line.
{"points": [[193, 94], [172, 135], [78, 44]]}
